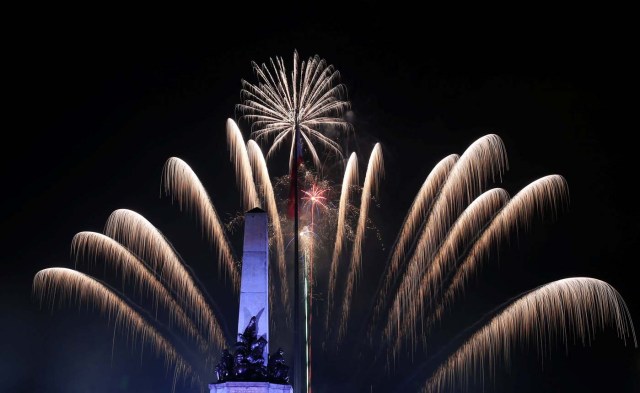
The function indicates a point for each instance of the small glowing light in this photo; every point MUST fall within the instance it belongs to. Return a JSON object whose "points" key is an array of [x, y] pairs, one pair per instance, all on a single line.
{"points": [[315, 197]]}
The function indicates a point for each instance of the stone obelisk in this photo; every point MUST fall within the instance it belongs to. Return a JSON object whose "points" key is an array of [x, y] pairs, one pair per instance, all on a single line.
{"points": [[249, 370], [254, 284]]}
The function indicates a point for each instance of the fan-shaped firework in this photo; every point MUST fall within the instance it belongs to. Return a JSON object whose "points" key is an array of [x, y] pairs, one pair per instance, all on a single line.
{"points": [[570, 307], [69, 285], [454, 221]]}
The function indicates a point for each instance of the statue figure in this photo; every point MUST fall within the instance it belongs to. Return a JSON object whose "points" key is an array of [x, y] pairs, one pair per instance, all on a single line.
{"points": [[247, 363], [257, 351], [278, 371], [240, 366], [250, 332], [225, 367], [259, 344]]}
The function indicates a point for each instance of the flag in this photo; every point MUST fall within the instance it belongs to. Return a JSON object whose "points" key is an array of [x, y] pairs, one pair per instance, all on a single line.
{"points": [[297, 160]]}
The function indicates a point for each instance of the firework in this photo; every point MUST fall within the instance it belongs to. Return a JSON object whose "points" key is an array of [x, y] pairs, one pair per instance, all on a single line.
{"points": [[142, 254], [314, 199], [545, 194], [375, 170], [91, 245], [417, 213], [570, 307], [350, 178], [184, 187], [405, 313], [69, 285], [485, 159], [240, 159], [141, 237], [446, 236], [311, 98]]}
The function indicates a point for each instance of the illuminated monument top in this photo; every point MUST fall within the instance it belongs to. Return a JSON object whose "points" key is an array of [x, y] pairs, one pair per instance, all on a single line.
{"points": [[248, 369]]}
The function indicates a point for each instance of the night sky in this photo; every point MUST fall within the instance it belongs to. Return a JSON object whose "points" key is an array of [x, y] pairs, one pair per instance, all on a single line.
{"points": [[98, 104]]}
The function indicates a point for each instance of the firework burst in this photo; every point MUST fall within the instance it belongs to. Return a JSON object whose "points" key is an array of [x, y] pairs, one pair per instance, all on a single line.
{"points": [[454, 222], [309, 97]]}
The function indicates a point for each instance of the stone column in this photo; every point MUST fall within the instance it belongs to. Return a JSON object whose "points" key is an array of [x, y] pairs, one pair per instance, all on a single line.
{"points": [[254, 287]]}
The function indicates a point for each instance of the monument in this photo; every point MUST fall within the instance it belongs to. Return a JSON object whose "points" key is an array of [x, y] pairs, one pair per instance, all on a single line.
{"points": [[249, 369]]}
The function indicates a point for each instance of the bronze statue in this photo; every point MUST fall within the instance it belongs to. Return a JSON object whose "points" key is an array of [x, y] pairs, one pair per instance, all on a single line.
{"points": [[247, 363], [278, 371], [225, 367]]}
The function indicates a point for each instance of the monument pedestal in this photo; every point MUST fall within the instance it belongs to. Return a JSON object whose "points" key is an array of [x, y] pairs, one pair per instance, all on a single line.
{"points": [[249, 387]]}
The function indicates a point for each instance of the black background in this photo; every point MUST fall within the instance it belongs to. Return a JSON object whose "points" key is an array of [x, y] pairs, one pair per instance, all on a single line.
{"points": [[96, 104]]}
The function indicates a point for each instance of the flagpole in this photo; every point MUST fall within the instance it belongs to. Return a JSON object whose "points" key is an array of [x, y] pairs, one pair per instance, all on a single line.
{"points": [[299, 330]]}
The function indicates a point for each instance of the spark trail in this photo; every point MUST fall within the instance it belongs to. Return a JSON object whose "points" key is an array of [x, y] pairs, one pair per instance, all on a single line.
{"points": [[70, 285], [574, 307], [240, 159], [91, 245], [141, 237], [417, 213], [349, 179], [375, 170], [184, 187]]}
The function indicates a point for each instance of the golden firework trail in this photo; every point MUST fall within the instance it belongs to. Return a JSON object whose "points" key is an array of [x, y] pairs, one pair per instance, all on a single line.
{"points": [[91, 245], [375, 170], [349, 179], [408, 308], [310, 97], [417, 213], [138, 235], [447, 234], [261, 172], [548, 193], [240, 159], [573, 307], [484, 159], [66, 285], [184, 187]]}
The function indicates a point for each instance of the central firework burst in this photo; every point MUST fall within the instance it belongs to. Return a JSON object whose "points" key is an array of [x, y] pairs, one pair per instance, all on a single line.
{"points": [[312, 98]]}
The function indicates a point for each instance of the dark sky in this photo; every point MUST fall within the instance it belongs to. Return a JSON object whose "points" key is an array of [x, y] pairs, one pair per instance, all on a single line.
{"points": [[97, 105]]}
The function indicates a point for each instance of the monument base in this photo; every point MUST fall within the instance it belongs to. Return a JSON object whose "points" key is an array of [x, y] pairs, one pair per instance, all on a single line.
{"points": [[249, 387]]}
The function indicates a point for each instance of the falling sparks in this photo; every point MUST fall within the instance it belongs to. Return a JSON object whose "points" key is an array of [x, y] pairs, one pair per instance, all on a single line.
{"points": [[549, 192], [375, 170], [90, 245], [455, 220], [485, 159], [184, 186], [240, 159], [140, 236], [408, 307], [68, 285], [417, 213], [448, 231], [571, 307], [350, 178]]}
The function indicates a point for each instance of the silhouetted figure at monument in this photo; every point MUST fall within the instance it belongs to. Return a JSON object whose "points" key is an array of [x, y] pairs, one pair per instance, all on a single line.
{"points": [[247, 363], [278, 371], [225, 367]]}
